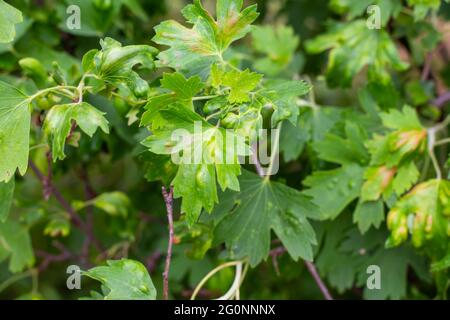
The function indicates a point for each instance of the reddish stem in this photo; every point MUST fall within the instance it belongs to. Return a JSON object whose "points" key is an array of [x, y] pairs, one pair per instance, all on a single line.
{"points": [[168, 199]]}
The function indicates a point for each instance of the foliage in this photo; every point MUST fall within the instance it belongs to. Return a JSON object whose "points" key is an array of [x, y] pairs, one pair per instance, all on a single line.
{"points": [[96, 121]]}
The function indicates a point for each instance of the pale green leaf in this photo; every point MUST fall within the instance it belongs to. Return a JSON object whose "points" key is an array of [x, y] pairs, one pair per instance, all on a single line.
{"points": [[15, 120], [125, 280]]}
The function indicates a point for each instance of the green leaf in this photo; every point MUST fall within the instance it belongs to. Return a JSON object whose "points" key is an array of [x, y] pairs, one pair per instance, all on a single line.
{"points": [[15, 242], [422, 7], [394, 265], [114, 64], [373, 49], [6, 198], [58, 123], [356, 8], [406, 119], [182, 91], [282, 95], [278, 44], [9, 17], [245, 219], [94, 21], [125, 280], [239, 83], [113, 203], [333, 261], [344, 151], [369, 214], [58, 226], [193, 51], [15, 120], [407, 175], [332, 191], [442, 264]]}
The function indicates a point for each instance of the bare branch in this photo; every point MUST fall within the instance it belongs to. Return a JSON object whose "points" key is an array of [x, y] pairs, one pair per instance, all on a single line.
{"points": [[442, 100], [323, 288], [168, 199], [49, 258], [77, 221]]}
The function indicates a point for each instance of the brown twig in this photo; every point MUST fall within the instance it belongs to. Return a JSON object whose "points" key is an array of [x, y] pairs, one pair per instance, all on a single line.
{"points": [[427, 67], [323, 288], [74, 217], [152, 261], [442, 100], [168, 199], [46, 182], [275, 253], [90, 237], [50, 258], [86, 228]]}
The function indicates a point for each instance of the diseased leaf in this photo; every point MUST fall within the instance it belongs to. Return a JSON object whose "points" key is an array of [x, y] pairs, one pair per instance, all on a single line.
{"points": [[58, 124], [193, 50], [201, 151], [427, 207], [114, 64]]}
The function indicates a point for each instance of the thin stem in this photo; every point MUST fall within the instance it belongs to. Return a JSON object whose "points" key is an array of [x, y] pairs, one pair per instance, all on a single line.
{"points": [[15, 278], [234, 289], [427, 66], [442, 100], [50, 258], [212, 273], [78, 222], [323, 288], [44, 91], [431, 142], [90, 237], [42, 145], [168, 199], [441, 142], [437, 169]]}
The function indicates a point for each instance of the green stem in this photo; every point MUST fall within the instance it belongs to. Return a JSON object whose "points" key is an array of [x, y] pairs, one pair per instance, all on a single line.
{"points": [[435, 164], [14, 279], [441, 142], [212, 273], [57, 89]]}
